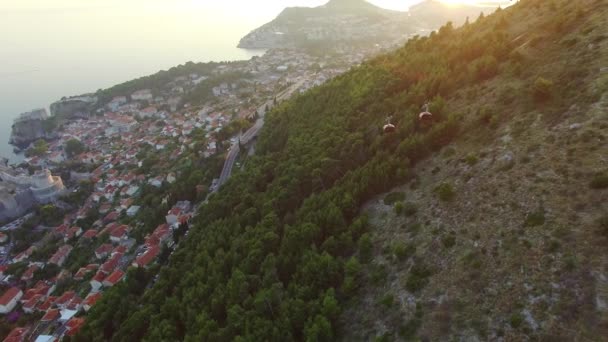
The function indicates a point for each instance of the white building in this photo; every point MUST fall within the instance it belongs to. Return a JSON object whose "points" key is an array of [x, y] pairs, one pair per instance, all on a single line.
{"points": [[46, 187], [142, 95], [9, 299]]}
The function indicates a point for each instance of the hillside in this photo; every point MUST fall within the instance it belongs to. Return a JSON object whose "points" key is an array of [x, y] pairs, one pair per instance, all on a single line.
{"points": [[501, 230], [347, 22]]}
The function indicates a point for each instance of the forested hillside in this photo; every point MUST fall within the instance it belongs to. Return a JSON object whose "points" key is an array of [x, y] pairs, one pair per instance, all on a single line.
{"points": [[283, 252]]}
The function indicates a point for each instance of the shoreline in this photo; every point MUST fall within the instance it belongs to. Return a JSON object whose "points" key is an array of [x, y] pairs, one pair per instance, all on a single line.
{"points": [[16, 158]]}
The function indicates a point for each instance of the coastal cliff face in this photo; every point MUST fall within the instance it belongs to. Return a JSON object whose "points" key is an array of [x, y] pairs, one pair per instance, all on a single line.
{"points": [[74, 107], [353, 21], [29, 127]]}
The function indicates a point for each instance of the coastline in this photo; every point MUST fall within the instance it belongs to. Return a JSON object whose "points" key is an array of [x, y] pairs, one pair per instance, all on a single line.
{"points": [[8, 150]]}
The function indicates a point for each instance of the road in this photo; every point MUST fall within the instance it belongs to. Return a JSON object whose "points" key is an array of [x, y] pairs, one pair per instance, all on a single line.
{"points": [[251, 134]]}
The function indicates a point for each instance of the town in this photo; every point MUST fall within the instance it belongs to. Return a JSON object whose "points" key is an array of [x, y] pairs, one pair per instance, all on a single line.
{"points": [[114, 192]]}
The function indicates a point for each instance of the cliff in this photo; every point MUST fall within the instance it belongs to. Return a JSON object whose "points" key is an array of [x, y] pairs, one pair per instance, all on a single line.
{"points": [[72, 107], [29, 127]]}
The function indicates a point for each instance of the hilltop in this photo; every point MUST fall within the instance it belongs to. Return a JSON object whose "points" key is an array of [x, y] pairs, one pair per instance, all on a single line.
{"points": [[489, 224], [348, 22]]}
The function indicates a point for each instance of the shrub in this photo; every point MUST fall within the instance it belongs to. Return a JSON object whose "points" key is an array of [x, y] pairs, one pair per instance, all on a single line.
{"points": [[542, 89], [448, 241], [471, 159], [516, 320], [365, 247], [418, 277], [394, 197], [409, 209], [445, 191], [599, 181], [536, 218], [403, 251], [399, 208], [387, 300]]}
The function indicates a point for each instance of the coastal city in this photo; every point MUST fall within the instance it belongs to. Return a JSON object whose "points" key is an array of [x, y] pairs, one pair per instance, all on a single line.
{"points": [[109, 190]]}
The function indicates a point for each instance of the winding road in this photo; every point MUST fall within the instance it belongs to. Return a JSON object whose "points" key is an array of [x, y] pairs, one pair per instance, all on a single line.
{"points": [[251, 134]]}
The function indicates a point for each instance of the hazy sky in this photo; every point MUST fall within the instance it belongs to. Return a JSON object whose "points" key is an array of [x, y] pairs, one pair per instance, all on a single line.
{"points": [[241, 6]]}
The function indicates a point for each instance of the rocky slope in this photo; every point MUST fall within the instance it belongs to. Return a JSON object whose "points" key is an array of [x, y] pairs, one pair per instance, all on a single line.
{"points": [[499, 236], [353, 21], [28, 128]]}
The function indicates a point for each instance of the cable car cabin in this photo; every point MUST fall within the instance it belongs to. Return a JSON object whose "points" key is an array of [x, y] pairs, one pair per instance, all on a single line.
{"points": [[425, 117], [389, 128]]}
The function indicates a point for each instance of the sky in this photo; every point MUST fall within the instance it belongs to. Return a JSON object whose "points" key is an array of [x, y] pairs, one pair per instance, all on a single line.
{"points": [[240, 6]]}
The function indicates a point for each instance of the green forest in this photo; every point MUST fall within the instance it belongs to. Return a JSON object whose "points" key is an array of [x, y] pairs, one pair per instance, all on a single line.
{"points": [[279, 250]]}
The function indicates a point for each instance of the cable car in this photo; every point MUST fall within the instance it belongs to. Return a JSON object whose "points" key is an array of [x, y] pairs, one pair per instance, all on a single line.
{"points": [[425, 117], [389, 127]]}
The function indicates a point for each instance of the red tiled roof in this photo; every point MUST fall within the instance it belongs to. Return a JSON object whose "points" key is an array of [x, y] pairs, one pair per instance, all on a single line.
{"points": [[50, 315], [47, 304], [29, 273], [75, 303], [120, 249], [92, 299], [66, 297], [74, 325], [17, 335], [148, 256], [9, 295], [104, 249], [115, 277], [99, 277], [89, 234], [30, 304], [111, 264]]}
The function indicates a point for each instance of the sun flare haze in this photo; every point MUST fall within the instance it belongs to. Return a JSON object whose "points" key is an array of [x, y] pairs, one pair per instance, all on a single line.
{"points": [[303, 170]]}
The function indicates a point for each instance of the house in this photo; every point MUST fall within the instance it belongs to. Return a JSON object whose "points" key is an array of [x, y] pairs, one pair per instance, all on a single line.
{"points": [[51, 316], [90, 300], [24, 255], [119, 233], [160, 235], [105, 208], [110, 265], [29, 273], [103, 251], [111, 217], [145, 259], [72, 233], [74, 325], [83, 271], [31, 304], [142, 95], [133, 210], [3, 237], [97, 281], [47, 304], [173, 215], [89, 234], [75, 304], [9, 299], [61, 255], [46, 338], [17, 335], [113, 278], [65, 299]]}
